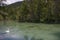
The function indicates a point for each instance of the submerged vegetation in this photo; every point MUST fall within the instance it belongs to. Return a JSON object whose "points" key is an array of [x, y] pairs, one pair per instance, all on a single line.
{"points": [[31, 31]]}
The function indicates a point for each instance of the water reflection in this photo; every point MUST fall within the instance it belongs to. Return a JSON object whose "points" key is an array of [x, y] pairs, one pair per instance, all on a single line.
{"points": [[3, 37], [28, 31], [10, 36], [57, 34]]}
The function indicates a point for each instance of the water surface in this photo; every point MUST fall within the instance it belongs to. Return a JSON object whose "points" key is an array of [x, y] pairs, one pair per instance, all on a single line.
{"points": [[11, 30]]}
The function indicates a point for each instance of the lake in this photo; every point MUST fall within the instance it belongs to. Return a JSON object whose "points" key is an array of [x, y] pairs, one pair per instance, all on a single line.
{"points": [[11, 30]]}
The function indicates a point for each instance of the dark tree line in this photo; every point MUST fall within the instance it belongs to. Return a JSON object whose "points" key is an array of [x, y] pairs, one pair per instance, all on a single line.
{"points": [[45, 11]]}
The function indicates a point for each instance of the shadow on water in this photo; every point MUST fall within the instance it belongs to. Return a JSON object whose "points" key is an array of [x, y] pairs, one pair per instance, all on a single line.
{"points": [[25, 38], [57, 35], [33, 38]]}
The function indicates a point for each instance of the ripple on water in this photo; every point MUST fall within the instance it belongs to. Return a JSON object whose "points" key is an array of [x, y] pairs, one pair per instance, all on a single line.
{"points": [[24, 32]]}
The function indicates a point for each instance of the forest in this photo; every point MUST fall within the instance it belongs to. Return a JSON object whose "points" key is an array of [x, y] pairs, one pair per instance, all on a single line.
{"points": [[34, 11]]}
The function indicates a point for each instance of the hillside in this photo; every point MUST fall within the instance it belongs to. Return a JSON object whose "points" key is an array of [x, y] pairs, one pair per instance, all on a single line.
{"points": [[15, 4]]}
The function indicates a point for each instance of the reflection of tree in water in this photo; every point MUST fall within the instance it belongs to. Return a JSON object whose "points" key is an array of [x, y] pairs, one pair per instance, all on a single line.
{"points": [[57, 35], [33, 38]]}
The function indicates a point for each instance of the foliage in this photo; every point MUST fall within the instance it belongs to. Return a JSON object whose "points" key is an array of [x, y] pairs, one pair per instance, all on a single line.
{"points": [[33, 11]]}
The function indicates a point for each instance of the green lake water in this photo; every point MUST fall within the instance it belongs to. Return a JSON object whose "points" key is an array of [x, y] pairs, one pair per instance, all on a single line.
{"points": [[30, 31]]}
